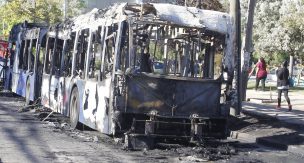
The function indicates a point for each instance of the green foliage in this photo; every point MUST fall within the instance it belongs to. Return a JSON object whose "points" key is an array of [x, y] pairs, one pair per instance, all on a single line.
{"points": [[278, 29], [206, 4], [278, 58], [39, 11], [158, 52]]}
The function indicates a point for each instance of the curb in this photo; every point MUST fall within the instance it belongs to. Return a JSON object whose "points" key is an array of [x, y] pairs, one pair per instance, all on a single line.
{"points": [[243, 136], [275, 117], [272, 143], [258, 140], [295, 149], [252, 113]]}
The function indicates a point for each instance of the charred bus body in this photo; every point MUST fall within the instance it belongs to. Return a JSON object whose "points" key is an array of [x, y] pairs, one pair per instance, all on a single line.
{"points": [[26, 59], [147, 71]]}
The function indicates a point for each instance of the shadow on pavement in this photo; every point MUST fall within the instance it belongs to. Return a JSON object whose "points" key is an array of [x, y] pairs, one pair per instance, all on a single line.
{"points": [[29, 146], [287, 127]]}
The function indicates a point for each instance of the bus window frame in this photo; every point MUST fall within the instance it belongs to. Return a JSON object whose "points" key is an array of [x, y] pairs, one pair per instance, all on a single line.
{"points": [[47, 56], [88, 55], [31, 66], [56, 69], [82, 37], [98, 40], [66, 68], [25, 54], [20, 55]]}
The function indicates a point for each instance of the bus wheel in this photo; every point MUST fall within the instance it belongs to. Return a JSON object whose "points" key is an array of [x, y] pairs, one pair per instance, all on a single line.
{"points": [[27, 93], [74, 109]]}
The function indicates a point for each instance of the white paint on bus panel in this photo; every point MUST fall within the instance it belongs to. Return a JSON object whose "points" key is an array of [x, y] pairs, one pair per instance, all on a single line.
{"points": [[94, 112], [80, 83], [16, 71], [63, 95], [21, 86], [32, 78], [53, 87], [90, 103], [15, 78], [45, 90]]}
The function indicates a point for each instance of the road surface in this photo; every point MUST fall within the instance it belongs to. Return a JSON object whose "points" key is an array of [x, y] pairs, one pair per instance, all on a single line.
{"points": [[24, 138]]}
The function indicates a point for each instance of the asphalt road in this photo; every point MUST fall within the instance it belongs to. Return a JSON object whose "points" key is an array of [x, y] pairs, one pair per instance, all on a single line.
{"points": [[23, 138]]}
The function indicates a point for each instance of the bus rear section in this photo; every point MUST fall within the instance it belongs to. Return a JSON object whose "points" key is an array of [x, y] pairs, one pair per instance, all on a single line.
{"points": [[168, 76], [165, 107]]}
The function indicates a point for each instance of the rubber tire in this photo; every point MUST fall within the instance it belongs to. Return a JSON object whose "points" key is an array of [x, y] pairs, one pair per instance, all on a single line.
{"points": [[27, 94], [74, 109]]}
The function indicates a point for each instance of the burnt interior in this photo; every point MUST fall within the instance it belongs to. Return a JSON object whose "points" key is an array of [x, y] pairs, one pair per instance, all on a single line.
{"points": [[172, 81]]}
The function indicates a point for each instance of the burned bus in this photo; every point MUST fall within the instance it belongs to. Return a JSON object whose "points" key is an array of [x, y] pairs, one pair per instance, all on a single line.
{"points": [[26, 59], [148, 71]]}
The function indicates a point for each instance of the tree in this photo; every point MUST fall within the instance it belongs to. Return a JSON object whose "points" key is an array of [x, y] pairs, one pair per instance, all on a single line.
{"points": [[279, 27], [205, 4], [40, 11]]}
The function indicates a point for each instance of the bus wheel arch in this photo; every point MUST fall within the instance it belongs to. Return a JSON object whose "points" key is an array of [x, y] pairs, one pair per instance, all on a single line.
{"points": [[74, 108]]}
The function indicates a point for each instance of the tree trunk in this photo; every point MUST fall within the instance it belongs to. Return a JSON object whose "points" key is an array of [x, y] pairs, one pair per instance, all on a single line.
{"points": [[248, 49]]}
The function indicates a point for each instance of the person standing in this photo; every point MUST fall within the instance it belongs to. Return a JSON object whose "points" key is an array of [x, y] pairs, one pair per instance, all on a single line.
{"points": [[283, 84], [261, 73]]}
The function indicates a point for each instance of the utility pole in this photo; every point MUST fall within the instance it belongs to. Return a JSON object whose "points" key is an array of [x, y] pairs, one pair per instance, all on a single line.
{"points": [[34, 4], [236, 15], [65, 9], [247, 48]]}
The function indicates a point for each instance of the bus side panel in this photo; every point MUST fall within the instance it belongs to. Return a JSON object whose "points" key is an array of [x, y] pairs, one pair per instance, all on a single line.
{"points": [[32, 86], [94, 107], [53, 92], [45, 90], [21, 86], [80, 83], [63, 95], [102, 118], [15, 79], [90, 100]]}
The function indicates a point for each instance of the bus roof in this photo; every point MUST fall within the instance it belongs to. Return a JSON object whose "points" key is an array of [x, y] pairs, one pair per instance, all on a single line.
{"points": [[171, 14]]}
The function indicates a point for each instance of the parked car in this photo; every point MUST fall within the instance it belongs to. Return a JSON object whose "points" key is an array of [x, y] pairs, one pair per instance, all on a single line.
{"points": [[158, 67]]}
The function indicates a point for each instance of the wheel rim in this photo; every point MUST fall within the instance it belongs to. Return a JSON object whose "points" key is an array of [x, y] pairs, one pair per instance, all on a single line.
{"points": [[73, 109]]}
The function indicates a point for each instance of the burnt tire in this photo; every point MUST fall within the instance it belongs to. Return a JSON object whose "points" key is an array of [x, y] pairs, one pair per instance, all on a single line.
{"points": [[74, 105], [27, 93]]}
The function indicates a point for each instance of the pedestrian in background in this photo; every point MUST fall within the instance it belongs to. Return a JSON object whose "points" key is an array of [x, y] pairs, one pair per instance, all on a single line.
{"points": [[261, 73], [283, 84]]}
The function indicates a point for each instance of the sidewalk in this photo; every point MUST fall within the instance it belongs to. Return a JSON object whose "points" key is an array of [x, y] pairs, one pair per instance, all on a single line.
{"points": [[261, 104], [278, 137]]}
